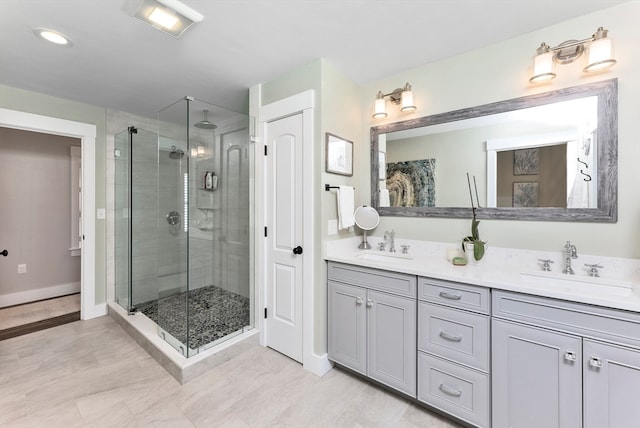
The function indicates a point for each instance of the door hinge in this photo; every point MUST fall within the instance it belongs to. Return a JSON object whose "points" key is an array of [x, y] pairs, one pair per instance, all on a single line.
{"points": [[265, 150], [265, 313], [265, 231]]}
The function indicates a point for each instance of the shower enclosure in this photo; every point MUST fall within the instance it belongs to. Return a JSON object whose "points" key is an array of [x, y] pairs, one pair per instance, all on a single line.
{"points": [[182, 224]]}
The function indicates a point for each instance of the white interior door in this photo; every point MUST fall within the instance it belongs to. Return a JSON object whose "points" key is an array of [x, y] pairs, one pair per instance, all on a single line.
{"points": [[284, 248]]}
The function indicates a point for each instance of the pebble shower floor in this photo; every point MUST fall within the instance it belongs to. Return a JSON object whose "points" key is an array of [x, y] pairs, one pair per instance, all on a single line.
{"points": [[213, 314]]}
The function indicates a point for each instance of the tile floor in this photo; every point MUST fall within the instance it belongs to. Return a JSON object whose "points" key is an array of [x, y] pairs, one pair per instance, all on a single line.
{"points": [[92, 374], [29, 317]]}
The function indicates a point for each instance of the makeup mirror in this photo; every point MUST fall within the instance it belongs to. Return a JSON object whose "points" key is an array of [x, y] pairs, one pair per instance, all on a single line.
{"points": [[366, 218]]}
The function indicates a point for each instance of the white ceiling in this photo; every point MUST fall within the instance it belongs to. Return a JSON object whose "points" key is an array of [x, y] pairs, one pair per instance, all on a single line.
{"points": [[120, 63]]}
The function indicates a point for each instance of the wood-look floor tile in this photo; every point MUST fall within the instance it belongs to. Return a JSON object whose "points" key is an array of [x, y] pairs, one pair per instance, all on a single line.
{"points": [[92, 374]]}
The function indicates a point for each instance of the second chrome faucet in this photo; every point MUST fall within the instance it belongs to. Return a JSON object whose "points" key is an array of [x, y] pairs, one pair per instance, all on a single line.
{"points": [[569, 253]]}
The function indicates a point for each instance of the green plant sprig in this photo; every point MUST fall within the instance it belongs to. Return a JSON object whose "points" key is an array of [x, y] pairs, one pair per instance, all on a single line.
{"points": [[479, 246]]}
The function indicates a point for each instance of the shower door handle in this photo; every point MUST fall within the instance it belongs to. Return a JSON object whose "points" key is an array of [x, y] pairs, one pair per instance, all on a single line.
{"points": [[5, 253], [297, 250]]}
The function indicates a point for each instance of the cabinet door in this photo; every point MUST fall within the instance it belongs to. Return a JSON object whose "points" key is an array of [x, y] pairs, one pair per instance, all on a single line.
{"points": [[392, 340], [348, 326], [536, 376], [611, 386]]}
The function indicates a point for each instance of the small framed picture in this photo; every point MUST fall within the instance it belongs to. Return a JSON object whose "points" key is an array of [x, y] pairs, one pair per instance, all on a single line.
{"points": [[526, 162], [339, 155], [525, 195]]}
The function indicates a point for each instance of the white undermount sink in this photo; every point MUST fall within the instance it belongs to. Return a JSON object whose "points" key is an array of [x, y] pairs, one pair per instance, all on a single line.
{"points": [[381, 256], [578, 284]]}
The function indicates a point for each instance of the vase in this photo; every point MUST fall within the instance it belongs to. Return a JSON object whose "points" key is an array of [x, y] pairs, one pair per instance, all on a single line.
{"points": [[468, 250]]}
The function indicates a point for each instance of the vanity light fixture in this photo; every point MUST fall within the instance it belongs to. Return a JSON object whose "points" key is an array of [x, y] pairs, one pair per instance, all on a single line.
{"points": [[600, 56], [402, 96], [169, 16], [53, 36]]}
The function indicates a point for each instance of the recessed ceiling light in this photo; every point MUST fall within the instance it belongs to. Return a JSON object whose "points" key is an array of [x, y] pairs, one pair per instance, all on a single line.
{"points": [[169, 16], [53, 36]]}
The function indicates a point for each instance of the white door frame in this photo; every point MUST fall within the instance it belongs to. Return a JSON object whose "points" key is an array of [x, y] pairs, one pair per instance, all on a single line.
{"points": [[301, 103], [87, 134]]}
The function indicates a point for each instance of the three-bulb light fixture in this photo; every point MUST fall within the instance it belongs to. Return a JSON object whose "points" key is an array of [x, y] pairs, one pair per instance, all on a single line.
{"points": [[402, 96], [599, 57]]}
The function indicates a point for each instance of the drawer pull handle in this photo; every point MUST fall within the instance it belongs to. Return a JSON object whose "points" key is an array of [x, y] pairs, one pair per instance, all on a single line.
{"points": [[359, 301], [449, 390], [595, 362], [450, 337], [450, 295], [570, 356], [369, 303]]}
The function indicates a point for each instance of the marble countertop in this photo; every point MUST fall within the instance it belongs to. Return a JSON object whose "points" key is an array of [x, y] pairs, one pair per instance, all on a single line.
{"points": [[506, 269]]}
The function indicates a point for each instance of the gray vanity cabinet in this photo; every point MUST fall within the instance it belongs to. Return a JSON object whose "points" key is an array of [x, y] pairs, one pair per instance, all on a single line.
{"points": [[563, 364], [537, 377], [372, 324], [453, 349], [348, 326], [611, 385]]}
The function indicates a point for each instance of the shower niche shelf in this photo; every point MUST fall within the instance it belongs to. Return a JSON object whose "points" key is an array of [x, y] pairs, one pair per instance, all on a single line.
{"points": [[206, 224]]}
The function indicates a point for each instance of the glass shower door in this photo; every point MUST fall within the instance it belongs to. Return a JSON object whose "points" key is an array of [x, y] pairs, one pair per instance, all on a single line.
{"points": [[172, 234], [121, 219], [136, 208]]}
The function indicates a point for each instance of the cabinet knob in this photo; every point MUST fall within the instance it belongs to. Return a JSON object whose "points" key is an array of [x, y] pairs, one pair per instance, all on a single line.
{"points": [[369, 303], [570, 356], [595, 362], [359, 301]]}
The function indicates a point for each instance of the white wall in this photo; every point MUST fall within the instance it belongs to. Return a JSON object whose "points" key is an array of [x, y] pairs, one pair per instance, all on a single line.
{"points": [[501, 72]]}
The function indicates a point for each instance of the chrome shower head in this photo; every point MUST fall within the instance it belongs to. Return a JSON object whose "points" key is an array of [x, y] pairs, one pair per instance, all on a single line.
{"points": [[176, 153], [205, 124]]}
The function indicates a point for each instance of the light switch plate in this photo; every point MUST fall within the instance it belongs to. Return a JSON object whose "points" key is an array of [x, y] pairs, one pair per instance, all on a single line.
{"points": [[22, 268]]}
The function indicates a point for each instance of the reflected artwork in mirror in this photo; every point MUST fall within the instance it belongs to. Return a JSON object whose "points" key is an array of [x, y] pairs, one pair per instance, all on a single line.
{"points": [[550, 156]]}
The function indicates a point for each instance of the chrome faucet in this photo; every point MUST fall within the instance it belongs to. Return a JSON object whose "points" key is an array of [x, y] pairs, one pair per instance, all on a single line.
{"points": [[570, 252], [389, 239]]}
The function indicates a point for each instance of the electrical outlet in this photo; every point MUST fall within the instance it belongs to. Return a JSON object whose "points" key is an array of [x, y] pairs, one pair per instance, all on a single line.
{"points": [[22, 268]]}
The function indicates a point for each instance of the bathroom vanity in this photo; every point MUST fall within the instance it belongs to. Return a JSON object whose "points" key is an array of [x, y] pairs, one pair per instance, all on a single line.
{"points": [[484, 344]]}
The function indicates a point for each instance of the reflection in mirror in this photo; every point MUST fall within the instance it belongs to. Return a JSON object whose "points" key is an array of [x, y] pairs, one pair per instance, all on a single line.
{"points": [[550, 169], [550, 156]]}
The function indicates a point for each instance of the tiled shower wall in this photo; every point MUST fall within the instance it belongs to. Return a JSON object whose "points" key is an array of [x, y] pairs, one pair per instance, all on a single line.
{"points": [[217, 255]]}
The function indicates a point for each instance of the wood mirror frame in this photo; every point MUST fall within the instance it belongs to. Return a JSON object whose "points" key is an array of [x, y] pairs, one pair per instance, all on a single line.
{"points": [[607, 155]]}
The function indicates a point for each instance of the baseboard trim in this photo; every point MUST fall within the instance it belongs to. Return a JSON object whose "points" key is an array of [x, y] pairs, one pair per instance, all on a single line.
{"points": [[318, 364], [27, 296], [95, 311]]}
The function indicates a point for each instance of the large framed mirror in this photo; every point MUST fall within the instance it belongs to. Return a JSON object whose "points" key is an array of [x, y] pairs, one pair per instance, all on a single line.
{"points": [[550, 156]]}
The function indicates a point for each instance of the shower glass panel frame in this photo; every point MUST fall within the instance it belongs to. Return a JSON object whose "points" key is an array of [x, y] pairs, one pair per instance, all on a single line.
{"points": [[186, 258]]}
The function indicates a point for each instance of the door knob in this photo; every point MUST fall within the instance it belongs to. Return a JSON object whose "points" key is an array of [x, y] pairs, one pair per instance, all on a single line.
{"points": [[297, 250], [5, 253]]}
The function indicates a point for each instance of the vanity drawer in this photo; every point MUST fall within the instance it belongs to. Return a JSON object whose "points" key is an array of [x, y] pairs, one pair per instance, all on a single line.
{"points": [[457, 335], [454, 294], [459, 391], [612, 325], [376, 279]]}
